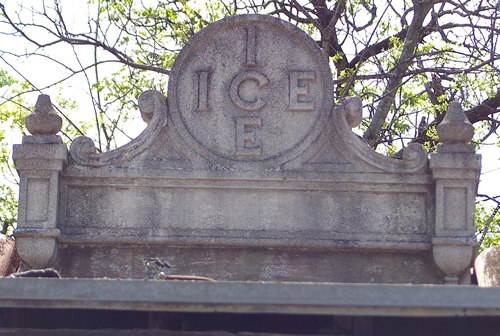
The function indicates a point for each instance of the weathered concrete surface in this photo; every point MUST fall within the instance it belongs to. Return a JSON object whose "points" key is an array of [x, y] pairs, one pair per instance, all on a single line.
{"points": [[252, 297], [250, 161], [154, 308], [238, 214], [246, 264]]}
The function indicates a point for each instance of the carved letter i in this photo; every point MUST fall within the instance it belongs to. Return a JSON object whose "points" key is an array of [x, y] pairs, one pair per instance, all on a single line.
{"points": [[202, 91], [251, 41]]}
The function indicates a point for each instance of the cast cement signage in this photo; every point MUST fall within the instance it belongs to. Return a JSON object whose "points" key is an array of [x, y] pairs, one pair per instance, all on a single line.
{"points": [[248, 170], [250, 89]]}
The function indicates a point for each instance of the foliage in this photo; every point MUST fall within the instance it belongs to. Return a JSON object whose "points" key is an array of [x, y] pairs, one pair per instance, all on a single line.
{"points": [[9, 116], [488, 224], [406, 59], [8, 209]]}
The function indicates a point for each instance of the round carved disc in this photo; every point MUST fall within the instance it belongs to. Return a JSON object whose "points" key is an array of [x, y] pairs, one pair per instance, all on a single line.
{"points": [[250, 88]]}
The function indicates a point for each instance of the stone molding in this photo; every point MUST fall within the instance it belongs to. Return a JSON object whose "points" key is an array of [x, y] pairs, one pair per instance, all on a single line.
{"points": [[153, 107], [251, 297]]}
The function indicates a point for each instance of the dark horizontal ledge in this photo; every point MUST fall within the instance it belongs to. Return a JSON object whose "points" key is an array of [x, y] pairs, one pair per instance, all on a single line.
{"points": [[251, 297]]}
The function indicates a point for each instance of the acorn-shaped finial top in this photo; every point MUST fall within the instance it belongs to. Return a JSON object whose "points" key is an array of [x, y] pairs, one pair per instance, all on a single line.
{"points": [[44, 119], [455, 127]]}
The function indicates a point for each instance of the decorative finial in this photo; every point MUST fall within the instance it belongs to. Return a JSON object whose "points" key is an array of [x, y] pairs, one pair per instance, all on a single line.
{"points": [[44, 119], [455, 127]]}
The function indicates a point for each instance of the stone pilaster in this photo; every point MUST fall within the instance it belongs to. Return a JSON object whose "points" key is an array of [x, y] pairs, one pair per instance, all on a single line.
{"points": [[39, 160], [455, 168]]}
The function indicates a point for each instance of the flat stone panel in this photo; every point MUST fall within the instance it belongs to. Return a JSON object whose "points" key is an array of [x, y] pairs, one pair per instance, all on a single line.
{"points": [[250, 214], [246, 264], [455, 207], [37, 199]]}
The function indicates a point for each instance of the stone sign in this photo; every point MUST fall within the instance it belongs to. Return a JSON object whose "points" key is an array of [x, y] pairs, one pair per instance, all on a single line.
{"points": [[250, 89], [248, 171]]}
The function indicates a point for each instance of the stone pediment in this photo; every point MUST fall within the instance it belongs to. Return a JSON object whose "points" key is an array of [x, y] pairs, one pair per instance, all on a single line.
{"points": [[249, 93], [247, 158]]}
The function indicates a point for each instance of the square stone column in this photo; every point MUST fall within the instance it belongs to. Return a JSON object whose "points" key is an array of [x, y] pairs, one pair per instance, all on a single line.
{"points": [[455, 168], [39, 160]]}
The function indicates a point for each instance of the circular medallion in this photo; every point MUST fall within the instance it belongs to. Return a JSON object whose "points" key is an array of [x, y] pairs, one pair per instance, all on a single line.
{"points": [[250, 88]]}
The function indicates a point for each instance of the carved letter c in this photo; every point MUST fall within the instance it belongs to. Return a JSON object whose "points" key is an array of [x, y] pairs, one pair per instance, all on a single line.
{"points": [[255, 104]]}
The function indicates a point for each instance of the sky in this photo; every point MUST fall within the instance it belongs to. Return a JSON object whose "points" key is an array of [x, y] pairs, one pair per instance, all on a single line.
{"points": [[490, 170]]}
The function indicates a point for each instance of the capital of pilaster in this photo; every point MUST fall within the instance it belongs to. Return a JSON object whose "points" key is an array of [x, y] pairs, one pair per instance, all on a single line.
{"points": [[453, 165], [40, 156]]}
